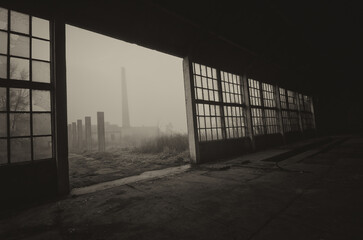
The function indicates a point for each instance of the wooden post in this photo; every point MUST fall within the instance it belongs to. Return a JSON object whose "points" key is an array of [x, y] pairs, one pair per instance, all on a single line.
{"points": [[101, 131], [70, 135], [191, 110], [88, 133], [80, 134], [74, 136]]}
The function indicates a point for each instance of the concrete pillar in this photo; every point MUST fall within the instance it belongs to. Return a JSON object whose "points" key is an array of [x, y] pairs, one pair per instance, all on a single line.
{"points": [[101, 131], [297, 97], [191, 110], [88, 133], [279, 112], [74, 136], [246, 99], [58, 31], [80, 134]]}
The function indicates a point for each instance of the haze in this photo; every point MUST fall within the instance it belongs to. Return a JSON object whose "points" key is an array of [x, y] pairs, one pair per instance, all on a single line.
{"points": [[154, 81]]}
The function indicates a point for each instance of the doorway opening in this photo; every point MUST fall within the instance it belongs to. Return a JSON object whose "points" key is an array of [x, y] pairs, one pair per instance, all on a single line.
{"points": [[126, 109]]}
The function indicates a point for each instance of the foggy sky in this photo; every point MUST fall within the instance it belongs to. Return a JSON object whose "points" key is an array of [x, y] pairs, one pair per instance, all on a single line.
{"points": [[154, 81]]}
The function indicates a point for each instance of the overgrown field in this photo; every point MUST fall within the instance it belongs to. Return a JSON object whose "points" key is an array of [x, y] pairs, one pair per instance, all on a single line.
{"points": [[94, 167]]}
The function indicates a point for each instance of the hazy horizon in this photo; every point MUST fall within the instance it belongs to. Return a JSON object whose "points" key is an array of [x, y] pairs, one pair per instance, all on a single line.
{"points": [[154, 81]]}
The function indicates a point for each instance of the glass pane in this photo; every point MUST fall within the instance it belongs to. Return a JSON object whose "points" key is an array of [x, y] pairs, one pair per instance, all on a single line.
{"points": [[40, 49], [42, 147], [3, 42], [19, 22], [19, 45], [3, 19], [20, 150], [19, 69], [41, 124], [3, 151], [19, 124], [3, 67], [19, 99], [40, 28], [41, 100], [2, 99], [41, 72], [3, 124]]}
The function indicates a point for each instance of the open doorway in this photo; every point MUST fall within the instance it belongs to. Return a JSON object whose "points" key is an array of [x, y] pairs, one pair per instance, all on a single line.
{"points": [[126, 109]]}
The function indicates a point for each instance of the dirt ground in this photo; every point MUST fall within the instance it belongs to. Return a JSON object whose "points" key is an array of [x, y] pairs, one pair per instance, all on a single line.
{"points": [[94, 167]]}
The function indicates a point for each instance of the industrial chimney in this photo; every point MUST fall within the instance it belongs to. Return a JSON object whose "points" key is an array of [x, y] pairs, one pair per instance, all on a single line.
{"points": [[125, 103]]}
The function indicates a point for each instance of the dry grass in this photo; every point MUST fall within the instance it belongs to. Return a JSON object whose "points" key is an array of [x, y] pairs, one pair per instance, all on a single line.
{"points": [[168, 143]]}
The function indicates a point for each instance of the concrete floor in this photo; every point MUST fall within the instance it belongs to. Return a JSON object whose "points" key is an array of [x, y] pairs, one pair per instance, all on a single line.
{"points": [[316, 194]]}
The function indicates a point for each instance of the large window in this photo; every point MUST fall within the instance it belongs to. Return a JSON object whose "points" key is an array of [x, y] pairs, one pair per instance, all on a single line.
{"points": [[219, 104], [25, 88]]}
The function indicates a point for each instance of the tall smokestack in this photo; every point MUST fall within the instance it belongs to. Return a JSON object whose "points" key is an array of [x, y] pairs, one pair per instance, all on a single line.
{"points": [[125, 103]]}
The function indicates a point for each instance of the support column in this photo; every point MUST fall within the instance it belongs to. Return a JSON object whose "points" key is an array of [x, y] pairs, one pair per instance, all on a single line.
{"points": [[246, 99], [279, 112], [74, 137], [299, 112], [58, 53], [191, 111], [88, 133], [80, 135], [101, 131]]}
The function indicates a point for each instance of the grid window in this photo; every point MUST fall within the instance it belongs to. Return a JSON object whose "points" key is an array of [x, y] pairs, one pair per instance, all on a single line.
{"points": [[307, 103], [294, 120], [205, 83], [291, 99], [209, 122], [307, 120], [271, 121], [231, 88], [286, 121], [254, 90], [268, 95], [25, 88], [283, 100], [235, 121], [257, 121]]}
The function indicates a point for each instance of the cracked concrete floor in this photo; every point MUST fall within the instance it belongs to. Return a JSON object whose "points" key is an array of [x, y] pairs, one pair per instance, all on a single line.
{"points": [[318, 197]]}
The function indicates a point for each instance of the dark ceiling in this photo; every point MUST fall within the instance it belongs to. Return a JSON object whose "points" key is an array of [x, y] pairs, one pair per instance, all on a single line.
{"points": [[310, 46]]}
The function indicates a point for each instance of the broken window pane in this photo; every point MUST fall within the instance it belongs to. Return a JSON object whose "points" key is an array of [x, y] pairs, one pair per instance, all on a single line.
{"points": [[41, 124], [3, 151], [42, 147], [20, 150], [41, 100], [19, 45], [3, 106], [19, 69], [3, 125], [3, 42], [3, 67], [19, 124], [41, 72], [3, 18], [40, 49], [19, 99], [40, 28], [19, 22]]}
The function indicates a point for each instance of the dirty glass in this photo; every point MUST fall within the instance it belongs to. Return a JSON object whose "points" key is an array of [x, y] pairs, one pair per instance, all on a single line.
{"points": [[42, 147], [19, 22], [41, 72], [19, 99], [20, 150], [19, 69], [19, 124], [3, 42], [19, 46], [41, 124]]}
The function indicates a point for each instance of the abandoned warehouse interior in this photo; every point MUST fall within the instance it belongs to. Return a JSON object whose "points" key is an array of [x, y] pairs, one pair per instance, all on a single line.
{"points": [[255, 77]]}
